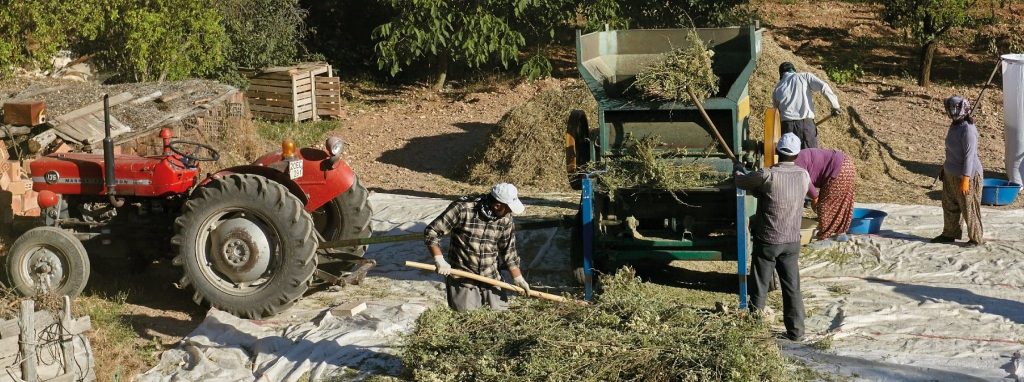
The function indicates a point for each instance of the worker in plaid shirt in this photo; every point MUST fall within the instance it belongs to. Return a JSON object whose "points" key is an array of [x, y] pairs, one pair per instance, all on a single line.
{"points": [[482, 237]]}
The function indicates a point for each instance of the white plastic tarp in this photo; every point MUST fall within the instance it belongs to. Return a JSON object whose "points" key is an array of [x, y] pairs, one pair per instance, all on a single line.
{"points": [[1013, 107]]}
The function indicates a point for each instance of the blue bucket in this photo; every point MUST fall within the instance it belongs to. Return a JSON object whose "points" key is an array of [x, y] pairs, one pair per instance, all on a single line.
{"points": [[998, 192], [866, 221]]}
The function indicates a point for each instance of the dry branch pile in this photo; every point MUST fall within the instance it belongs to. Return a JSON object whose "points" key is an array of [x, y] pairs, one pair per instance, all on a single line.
{"points": [[635, 331], [683, 68], [528, 146]]}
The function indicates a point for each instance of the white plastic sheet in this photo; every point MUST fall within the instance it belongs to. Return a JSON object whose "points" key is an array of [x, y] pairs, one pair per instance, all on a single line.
{"points": [[1013, 107]]}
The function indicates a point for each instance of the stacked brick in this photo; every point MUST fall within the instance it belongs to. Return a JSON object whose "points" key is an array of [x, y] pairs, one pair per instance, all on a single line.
{"points": [[16, 184]]}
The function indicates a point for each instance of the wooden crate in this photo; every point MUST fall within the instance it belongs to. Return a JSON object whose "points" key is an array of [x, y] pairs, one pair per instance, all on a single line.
{"points": [[328, 96], [293, 93]]}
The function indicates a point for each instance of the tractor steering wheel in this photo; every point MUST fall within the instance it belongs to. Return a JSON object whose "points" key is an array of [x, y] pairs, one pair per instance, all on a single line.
{"points": [[180, 148]]}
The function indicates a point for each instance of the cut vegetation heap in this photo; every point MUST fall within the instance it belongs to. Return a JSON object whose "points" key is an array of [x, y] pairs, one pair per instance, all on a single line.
{"points": [[528, 146], [632, 326], [643, 166], [679, 70]]}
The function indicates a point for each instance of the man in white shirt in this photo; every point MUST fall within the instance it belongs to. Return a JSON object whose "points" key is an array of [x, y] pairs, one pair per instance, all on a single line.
{"points": [[793, 97]]}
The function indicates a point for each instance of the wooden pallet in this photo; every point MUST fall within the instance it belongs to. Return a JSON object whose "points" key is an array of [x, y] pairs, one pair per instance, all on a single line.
{"points": [[85, 125], [293, 93]]}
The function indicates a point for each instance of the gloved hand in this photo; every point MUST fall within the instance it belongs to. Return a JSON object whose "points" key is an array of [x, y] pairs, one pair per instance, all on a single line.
{"points": [[520, 281], [443, 268], [739, 168], [965, 184], [837, 111]]}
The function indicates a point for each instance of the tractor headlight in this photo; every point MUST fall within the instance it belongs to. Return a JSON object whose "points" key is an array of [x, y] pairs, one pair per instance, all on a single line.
{"points": [[335, 146]]}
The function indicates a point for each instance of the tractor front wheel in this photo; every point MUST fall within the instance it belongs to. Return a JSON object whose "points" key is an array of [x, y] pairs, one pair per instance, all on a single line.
{"points": [[47, 259], [246, 245]]}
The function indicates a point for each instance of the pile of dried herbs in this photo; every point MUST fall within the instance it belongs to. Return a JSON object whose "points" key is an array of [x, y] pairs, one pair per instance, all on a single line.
{"points": [[527, 148], [681, 68], [634, 331], [642, 165]]}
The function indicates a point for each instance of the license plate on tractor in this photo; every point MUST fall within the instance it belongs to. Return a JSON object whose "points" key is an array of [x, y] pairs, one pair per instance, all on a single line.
{"points": [[295, 169]]}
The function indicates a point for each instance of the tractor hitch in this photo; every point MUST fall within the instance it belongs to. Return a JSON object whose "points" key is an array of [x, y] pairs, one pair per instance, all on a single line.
{"points": [[354, 277]]}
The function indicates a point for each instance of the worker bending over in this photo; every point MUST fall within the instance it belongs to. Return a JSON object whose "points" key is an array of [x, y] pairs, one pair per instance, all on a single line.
{"points": [[833, 178], [780, 191], [793, 97], [482, 237]]}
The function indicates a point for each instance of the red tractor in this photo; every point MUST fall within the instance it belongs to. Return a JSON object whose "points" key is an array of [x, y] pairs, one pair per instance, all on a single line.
{"points": [[246, 237]]}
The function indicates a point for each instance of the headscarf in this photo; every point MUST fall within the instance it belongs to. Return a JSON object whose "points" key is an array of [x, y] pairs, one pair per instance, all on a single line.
{"points": [[958, 108]]}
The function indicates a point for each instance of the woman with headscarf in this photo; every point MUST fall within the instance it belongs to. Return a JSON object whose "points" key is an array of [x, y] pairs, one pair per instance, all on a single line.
{"points": [[961, 176], [833, 176]]}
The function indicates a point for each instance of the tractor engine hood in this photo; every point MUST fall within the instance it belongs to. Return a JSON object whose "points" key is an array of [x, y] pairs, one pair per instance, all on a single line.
{"points": [[82, 174]]}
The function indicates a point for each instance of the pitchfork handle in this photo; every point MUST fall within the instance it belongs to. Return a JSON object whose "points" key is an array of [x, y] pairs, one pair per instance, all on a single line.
{"points": [[714, 130]]}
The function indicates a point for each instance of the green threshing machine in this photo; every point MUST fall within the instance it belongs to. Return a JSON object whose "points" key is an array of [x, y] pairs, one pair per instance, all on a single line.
{"points": [[707, 223]]}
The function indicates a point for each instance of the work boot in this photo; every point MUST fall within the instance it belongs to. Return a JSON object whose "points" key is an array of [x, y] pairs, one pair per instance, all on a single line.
{"points": [[943, 239]]}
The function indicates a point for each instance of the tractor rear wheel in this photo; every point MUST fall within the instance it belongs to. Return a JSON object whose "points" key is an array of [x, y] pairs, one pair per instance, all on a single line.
{"points": [[47, 259], [347, 216], [246, 245]]}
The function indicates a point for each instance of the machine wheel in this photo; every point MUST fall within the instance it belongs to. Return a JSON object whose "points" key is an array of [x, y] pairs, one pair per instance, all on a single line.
{"points": [[246, 245], [47, 259], [347, 216]]}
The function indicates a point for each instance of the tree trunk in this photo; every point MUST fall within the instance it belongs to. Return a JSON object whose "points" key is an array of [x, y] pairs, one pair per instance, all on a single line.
{"points": [[924, 77], [442, 71]]}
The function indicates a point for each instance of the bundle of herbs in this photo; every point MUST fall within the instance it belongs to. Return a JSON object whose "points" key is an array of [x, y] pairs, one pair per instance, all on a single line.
{"points": [[642, 165], [679, 70], [635, 331]]}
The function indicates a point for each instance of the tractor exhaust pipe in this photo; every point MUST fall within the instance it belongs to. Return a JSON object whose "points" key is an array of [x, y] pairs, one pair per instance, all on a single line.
{"points": [[108, 156]]}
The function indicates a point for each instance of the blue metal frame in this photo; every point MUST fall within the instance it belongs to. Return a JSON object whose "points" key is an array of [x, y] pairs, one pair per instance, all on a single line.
{"points": [[742, 234], [587, 234]]}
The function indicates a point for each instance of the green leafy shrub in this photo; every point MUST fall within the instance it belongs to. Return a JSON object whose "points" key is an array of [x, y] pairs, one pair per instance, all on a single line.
{"points": [[31, 31], [162, 39], [845, 73], [536, 67], [263, 32]]}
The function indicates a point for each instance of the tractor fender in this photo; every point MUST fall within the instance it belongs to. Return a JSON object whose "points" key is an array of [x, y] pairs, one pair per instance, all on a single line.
{"points": [[322, 179]]}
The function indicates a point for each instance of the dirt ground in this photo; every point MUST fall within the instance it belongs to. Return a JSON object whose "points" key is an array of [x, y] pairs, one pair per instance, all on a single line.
{"points": [[414, 141], [409, 140]]}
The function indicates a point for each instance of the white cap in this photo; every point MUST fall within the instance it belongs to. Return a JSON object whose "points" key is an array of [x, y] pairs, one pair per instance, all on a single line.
{"points": [[507, 193], [789, 144]]}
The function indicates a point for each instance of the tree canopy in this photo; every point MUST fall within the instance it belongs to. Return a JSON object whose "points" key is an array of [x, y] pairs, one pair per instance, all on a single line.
{"points": [[173, 39], [928, 22]]}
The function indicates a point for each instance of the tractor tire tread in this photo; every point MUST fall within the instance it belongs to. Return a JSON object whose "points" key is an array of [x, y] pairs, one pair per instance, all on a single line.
{"points": [[56, 238], [299, 260]]}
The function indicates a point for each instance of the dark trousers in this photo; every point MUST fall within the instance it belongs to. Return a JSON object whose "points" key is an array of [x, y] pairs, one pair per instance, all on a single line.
{"points": [[804, 129], [784, 259], [465, 295]]}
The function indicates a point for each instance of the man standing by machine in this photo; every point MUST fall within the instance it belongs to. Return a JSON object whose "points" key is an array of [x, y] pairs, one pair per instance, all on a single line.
{"points": [[482, 235], [780, 191], [793, 97]]}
